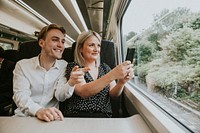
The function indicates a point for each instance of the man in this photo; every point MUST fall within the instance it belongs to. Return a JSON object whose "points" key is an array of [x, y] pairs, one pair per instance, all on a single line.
{"points": [[6, 75], [39, 82]]}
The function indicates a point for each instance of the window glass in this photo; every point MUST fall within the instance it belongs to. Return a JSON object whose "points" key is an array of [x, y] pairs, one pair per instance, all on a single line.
{"points": [[6, 46], [164, 38]]}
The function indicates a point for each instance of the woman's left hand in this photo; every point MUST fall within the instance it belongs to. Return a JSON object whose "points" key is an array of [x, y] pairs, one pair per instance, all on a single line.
{"points": [[130, 75]]}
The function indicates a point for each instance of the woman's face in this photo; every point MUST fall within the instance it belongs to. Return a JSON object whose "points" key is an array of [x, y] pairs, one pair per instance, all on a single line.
{"points": [[91, 49]]}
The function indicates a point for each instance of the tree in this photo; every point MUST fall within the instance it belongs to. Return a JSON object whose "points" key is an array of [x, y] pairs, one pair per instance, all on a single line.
{"points": [[196, 24], [130, 35]]}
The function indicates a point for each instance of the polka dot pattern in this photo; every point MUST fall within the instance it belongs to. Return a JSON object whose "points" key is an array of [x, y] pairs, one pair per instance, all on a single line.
{"points": [[97, 103]]}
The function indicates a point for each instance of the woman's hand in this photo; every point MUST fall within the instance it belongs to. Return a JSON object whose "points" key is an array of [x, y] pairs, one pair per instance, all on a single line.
{"points": [[123, 71], [129, 76], [77, 75]]}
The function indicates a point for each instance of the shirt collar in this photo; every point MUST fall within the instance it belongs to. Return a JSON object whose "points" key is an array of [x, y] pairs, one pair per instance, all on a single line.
{"points": [[37, 63], [56, 64]]}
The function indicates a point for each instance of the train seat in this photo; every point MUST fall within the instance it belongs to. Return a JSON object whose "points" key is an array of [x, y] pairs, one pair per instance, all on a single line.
{"points": [[67, 54], [107, 54], [12, 55], [6, 92], [29, 49]]}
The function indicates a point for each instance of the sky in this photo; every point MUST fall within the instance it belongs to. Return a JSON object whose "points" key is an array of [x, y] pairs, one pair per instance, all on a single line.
{"points": [[140, 12]]}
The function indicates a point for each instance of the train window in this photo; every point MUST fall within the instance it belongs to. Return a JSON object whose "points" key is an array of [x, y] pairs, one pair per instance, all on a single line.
{"points": [[6, 46], [165, 38]]}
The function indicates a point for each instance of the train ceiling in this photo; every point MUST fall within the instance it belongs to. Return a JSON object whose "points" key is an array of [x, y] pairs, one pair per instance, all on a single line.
{"points": [[74, 15]]}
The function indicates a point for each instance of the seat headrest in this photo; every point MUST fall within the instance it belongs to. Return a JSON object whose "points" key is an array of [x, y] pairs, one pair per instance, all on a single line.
{"points": [[29, 49], [2, 52], [107, 54], [12, 55], [67, 54]]}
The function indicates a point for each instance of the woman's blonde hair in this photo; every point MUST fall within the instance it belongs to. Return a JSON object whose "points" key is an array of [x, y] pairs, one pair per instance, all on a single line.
{"points": [[78, 57]]}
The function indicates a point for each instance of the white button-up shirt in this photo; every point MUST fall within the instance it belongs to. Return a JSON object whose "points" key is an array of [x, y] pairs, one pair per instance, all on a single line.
{"points": [[36, 88]]}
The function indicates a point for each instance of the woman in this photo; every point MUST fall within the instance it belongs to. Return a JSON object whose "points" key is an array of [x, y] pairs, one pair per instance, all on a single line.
{"points": [[91, 97]]}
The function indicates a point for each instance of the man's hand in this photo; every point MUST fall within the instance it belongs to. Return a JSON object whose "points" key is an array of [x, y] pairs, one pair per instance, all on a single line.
{"points": [[49, 114]]}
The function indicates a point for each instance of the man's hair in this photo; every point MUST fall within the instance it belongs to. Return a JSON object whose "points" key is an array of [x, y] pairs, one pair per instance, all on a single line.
{"points": [[44, 31], [2, 52]]}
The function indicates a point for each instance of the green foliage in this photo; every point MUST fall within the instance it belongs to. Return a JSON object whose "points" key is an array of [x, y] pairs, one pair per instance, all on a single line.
{"points": [[130, 35], [169, 53], [193, 56], [196, 97], [196, 24], [174, 78], [153, 38], [141, 71], [178, 44], [145, 51]]}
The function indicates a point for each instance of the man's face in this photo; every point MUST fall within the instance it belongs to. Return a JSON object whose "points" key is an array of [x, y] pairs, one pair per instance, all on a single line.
{"points": [[53, 45]]}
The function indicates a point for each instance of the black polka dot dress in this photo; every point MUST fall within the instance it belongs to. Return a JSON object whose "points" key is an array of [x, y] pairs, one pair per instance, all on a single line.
{"points": [[97, 103]]}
